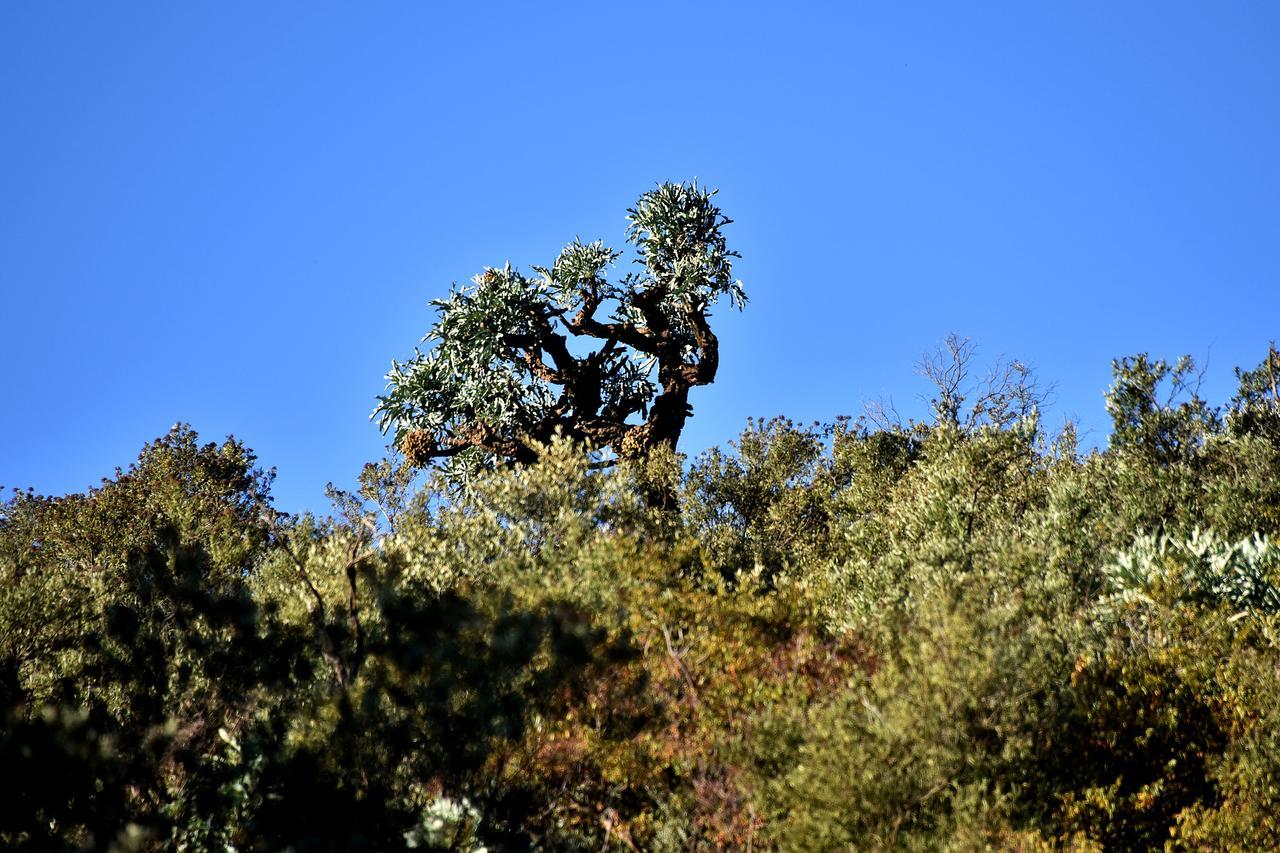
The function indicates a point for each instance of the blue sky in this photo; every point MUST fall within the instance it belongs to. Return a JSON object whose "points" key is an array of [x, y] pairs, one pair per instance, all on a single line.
{"points": [[234, 214]]}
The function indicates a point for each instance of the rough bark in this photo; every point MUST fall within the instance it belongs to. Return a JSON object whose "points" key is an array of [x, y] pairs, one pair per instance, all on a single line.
{"points": [[580, 412]]}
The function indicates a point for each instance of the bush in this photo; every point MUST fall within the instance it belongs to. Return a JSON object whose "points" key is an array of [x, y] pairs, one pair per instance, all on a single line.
{"points": [[963, 634]]}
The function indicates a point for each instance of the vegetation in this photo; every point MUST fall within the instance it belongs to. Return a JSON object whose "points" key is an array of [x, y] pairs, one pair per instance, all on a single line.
{"points": [[874, 634], [504, 375], [951, 635]]}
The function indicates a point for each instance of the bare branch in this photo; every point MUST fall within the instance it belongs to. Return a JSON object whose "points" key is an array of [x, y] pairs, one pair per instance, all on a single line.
{"points": [[1273, 359], [882, 413], [947, 367], [1008, 393]]}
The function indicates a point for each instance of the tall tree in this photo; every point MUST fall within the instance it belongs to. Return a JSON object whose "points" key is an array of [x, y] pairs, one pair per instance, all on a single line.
{"points": [[516, 359]]}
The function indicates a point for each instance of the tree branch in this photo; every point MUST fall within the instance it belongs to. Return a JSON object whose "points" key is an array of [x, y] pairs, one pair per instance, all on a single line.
{"points": [[584, 323], [1273, 357]]}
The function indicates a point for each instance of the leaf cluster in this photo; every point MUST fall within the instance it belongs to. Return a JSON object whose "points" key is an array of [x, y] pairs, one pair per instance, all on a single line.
{"points": [[962, 634], [515, 359]]}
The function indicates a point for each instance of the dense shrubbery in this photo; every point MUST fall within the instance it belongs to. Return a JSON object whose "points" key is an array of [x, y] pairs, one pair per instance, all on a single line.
{"points": [[959, 635]]}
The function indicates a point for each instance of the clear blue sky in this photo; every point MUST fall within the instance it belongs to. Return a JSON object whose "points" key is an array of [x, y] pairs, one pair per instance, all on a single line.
{"points": [[233, 214]]}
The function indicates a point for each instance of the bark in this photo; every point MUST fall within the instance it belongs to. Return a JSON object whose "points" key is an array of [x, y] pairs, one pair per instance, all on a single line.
{"points": [[581, 412]]}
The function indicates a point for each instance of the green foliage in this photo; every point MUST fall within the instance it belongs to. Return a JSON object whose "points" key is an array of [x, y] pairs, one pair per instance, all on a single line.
{"points": [[1243, 575], [500, 376], [1255, 409], [1155, 411], [959, 635], [760, 508]]}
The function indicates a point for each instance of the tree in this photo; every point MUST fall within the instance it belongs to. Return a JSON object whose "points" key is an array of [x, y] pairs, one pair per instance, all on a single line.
{"points": [[1255, 409], [518, 358], [1156, 409]]}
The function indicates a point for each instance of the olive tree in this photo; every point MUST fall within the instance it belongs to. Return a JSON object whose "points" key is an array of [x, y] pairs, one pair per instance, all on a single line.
{"points": [[516, 359]]}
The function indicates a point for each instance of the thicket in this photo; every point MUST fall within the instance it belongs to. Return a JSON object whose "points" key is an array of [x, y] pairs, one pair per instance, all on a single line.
{"points": [[959, 634]]}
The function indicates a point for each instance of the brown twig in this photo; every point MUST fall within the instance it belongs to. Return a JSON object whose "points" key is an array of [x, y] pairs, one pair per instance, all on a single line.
{"points": [[1272, 358]]}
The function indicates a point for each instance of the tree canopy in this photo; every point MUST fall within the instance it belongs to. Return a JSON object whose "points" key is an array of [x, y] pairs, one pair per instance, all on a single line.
{"points": [[516, 359], [958, 634]]}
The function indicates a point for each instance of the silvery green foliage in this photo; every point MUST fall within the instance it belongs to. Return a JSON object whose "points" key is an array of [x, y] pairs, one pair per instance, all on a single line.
{"points": [[676, 230], [469, 371], [1200, 568], [497, 358], [446, 824]]}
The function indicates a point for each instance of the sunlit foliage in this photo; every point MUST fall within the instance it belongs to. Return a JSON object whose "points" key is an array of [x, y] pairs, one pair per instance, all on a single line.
{"points": [[958, 634]]}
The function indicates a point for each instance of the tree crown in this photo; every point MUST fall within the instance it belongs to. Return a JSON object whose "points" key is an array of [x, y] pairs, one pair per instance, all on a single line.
{"points": [[515, 359]]}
